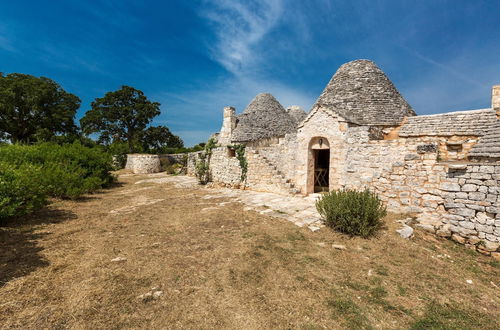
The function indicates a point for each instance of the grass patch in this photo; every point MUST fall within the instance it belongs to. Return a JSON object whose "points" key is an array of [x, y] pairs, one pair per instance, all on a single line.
{"points": [[295, 236], [402, 291], [494, 263], [349, 312], [382, 270], [441, 317]]}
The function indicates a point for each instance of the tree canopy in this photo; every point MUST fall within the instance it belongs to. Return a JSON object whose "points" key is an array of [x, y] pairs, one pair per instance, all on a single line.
{"points": [[120, 116], [157, 138], [33, 109]]}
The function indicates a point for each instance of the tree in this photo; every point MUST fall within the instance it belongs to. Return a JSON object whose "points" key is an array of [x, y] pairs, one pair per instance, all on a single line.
{"points": [[157, 138], [33, 108], [120, 116]]}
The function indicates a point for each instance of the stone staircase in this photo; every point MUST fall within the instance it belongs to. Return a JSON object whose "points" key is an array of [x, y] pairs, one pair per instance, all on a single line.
{"points": [[270, 173]]}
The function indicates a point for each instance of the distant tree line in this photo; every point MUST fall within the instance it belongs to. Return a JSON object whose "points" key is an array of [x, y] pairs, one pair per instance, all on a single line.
{"points": [[37, 109]]}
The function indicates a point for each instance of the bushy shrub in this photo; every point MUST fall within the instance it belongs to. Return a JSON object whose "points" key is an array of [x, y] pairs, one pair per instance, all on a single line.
{"points": [[202, 169], [21, 191], [68, 171], [64, 171], [119, 151], [352, 212]]}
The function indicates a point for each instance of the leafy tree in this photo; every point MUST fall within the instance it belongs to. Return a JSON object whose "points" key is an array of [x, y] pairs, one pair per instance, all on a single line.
{"points": [[120, 116], [33, 108], [158, 138]]}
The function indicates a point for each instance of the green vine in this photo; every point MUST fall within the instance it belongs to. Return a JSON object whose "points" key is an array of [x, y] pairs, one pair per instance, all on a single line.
{"points": [[240, 155], [203, 164]]}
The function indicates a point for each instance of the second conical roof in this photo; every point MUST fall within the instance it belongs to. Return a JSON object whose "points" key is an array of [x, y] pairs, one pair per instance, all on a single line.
{"points": [[361, 93], [264, 117]]}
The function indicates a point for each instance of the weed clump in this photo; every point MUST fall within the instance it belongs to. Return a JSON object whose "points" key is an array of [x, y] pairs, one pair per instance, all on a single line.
{"points": [[357, 213]]}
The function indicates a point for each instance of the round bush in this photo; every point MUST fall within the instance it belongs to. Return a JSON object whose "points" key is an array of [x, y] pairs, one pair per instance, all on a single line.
{"points": [[357, 213], [21, 190]]}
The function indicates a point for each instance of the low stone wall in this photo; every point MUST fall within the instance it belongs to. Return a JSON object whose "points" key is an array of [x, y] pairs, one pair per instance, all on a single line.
{"points": [[143, 163], [471, 196], [457, 200], [173, 158], [192, 158], [225, 169]]}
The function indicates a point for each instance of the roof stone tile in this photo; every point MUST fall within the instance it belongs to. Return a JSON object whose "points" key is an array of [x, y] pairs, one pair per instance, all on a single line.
{"points": [[471, 122], [263, 118]]}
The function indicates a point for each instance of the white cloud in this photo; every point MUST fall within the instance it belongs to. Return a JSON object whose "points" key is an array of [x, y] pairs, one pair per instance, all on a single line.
{"points": [[240, 26]]}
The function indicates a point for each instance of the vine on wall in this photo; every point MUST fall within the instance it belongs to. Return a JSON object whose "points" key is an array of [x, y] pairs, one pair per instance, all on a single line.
{"points": [[202, 168], [240, 155]]}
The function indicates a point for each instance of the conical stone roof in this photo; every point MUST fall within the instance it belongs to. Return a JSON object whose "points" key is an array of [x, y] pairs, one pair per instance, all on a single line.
{"points": [[264, 117], [297, 113], [361, 93]]}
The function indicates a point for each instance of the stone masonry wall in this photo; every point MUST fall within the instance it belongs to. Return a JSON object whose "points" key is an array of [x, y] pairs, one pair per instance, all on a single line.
{"points": [[281, 153], [143, 163], [457, 200], [225, 169], [192, 158]]}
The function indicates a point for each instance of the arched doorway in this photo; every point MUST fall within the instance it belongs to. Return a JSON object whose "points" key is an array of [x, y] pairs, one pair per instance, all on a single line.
{"points": [[319, 165]]}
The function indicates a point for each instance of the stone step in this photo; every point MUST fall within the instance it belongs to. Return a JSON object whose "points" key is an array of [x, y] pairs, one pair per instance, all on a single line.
{"points": [[277, 176]]}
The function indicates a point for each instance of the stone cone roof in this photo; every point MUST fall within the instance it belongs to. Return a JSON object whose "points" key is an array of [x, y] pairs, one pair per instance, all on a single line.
{"points": [[263, 118], [297, 113], [489, 144], [362, 94]]}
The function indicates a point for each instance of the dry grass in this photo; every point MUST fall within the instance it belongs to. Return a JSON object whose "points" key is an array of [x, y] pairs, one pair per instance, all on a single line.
{"points": [[226, 268]]}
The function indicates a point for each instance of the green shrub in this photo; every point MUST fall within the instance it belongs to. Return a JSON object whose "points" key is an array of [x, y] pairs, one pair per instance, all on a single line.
{"points": [[21, 191], [352, 212], [202, 169], [68, 171], [119, 151]]}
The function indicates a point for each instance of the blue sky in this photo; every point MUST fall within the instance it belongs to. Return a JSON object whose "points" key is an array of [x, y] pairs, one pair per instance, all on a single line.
{"points": [[195, 57]]}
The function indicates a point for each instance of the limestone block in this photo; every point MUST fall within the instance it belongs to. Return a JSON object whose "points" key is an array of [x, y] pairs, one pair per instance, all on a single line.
{"points": [[491, 246], [465, 212], [484, 228], [491, 237], [469, 187], [477, 196], [483, 189], [448, 186], [475, 207], [458, 239], [487, 169], [483, 176], [467, 224], [453, 205]]}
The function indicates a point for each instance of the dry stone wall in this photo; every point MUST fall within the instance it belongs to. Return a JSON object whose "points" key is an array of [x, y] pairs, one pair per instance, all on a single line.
{"points": [[281, 152], [457, 200], [143, 163], [225, 169]]}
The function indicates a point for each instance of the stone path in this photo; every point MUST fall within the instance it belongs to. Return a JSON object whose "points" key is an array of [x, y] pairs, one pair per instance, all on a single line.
{"points": [[297, 209]]}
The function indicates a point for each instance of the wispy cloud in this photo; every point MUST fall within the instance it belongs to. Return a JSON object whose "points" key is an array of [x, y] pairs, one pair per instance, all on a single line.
{"points": [[450, 70], [5, 44], [5, 41], [240, 26]]}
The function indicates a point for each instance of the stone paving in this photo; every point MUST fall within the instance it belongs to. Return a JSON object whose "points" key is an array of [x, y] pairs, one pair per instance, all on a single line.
{"points": [[297, 209]]}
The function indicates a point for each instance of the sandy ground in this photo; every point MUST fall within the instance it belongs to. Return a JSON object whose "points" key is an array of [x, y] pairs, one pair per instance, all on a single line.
{"points": [[158, 253]]}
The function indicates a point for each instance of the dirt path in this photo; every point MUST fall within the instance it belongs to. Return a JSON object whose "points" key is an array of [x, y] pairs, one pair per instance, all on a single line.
{"points": [[160, 254]]}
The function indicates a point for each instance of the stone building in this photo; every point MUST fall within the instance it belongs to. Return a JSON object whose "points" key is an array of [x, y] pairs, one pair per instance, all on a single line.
{"points": [[361, 133]]}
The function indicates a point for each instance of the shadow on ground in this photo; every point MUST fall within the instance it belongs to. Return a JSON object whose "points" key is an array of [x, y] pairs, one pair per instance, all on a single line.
{"points": [[19, 249]]}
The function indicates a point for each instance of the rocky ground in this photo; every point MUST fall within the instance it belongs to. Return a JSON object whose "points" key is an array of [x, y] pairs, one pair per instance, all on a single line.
{"points": [[158, 251]]}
